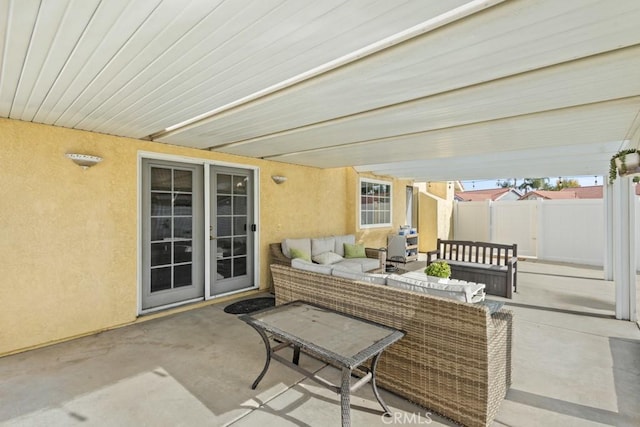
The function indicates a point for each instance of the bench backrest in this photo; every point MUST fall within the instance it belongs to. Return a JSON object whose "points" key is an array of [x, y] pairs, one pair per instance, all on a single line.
{"points": [[478, 252]]}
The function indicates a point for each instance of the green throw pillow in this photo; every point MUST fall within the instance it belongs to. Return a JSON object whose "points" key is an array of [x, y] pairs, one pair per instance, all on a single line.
{"points": [[354, 251], [297, 253]]}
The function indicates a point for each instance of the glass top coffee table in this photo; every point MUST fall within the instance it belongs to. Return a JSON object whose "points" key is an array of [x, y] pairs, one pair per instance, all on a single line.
{"points": [[344, 341]]}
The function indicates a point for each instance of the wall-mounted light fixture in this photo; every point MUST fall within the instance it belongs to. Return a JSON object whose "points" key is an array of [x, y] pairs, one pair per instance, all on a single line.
{"points": [[278, 179], [84, 160]]}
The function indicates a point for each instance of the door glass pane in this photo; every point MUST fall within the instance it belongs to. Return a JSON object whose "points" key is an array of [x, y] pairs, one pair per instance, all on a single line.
{"points": [[160, 279], [160, 254], [182, 204], [182, 251], [160, 228], [160, 204], [182, 227], [239, 225], [181, 275], [182, 180], [224, 247], [224, 226], [161, 179], [239, 185], [223, 185], [224, 268], [224, 205], [239, 266], [240, 205], [239, 246]]}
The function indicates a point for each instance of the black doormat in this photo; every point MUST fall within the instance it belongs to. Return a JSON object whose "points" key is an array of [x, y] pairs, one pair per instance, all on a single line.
{"points": [[250, 305]]}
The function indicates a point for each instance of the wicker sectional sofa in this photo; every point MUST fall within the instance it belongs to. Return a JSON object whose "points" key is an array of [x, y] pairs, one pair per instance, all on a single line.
{"points": [[455, 359], [278, 255]]}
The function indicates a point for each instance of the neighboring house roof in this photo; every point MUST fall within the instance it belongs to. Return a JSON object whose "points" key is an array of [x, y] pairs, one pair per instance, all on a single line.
{"points": [[487, 194], [549, 195], [589, 192]]}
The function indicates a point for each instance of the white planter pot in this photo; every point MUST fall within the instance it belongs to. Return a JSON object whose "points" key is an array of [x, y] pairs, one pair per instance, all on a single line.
{"points": [[437, 279], [632, 162]]}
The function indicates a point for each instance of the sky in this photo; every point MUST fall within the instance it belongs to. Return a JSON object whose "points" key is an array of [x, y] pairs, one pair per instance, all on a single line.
{"points": [[491, 183]]}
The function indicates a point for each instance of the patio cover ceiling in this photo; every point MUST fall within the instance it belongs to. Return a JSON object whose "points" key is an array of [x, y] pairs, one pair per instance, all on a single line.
{"points": [[427, 90]]}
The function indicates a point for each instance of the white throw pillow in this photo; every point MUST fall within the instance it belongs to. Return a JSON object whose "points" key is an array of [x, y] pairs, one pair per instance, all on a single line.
{"points": [[327, 258]]}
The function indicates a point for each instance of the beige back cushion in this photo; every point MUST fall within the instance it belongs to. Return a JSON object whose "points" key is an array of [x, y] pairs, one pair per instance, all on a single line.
{"points": [[341, 240], [322, 244], [303, 245]]}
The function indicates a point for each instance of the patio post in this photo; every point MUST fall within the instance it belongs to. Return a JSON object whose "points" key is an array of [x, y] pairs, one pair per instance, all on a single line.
{"points": [[624, 254], [608, 199]]}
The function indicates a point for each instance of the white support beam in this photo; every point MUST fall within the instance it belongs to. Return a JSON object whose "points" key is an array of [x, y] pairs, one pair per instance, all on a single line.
{"points": [[608, 197], [624, 255]]}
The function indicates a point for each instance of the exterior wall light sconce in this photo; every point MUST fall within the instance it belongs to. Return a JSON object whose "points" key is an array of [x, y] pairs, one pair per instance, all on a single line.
{"points": [[84, 160], [278, 179]]}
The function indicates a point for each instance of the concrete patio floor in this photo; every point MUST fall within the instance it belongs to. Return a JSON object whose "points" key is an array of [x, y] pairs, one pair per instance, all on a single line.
{"points": [[574, 364]]}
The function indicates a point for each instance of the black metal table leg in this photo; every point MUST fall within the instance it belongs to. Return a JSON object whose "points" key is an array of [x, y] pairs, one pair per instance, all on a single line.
{"points": [[296, 354], [268, 361]]}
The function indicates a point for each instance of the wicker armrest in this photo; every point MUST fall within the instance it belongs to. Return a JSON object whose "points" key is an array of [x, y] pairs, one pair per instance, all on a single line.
{"points": [[500, 347], [277, 256], [377, 253]]}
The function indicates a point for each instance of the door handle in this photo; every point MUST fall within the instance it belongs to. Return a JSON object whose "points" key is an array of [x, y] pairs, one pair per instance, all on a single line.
{"points": [[212, 238]]}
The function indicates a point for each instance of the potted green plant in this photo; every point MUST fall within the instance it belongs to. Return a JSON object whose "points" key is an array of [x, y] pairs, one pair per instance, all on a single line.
{"points": [[624, 162], [438, 269]]}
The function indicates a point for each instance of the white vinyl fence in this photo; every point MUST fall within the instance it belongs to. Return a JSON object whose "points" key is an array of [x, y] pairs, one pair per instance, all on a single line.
{"points": [[553, 230]]}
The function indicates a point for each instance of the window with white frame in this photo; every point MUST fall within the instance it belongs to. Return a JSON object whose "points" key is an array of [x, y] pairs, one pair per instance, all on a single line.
{"points": [[375, 203]]}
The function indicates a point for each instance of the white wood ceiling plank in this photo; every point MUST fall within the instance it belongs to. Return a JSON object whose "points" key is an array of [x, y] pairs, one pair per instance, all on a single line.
{"points": [[45, 28], [348, 28], [19, 18], [481, 48], [111, 26], [130, 23], [563, 86], [581, 125], [87, 46], [5, 104], [300, 43], [193, 68], [58, 29], [161, 32]]}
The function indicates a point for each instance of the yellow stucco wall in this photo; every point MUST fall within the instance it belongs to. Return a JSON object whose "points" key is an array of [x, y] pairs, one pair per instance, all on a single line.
{"points": [[435, 212], [68, 249]]}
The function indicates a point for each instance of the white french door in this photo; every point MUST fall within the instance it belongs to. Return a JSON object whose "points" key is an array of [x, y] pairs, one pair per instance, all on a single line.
{"points": [[195, 218], [172, 232], [232, 229]]}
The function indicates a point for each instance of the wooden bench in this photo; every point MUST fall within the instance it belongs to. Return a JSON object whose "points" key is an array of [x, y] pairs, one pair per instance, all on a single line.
{"points": [[493, 264]]}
